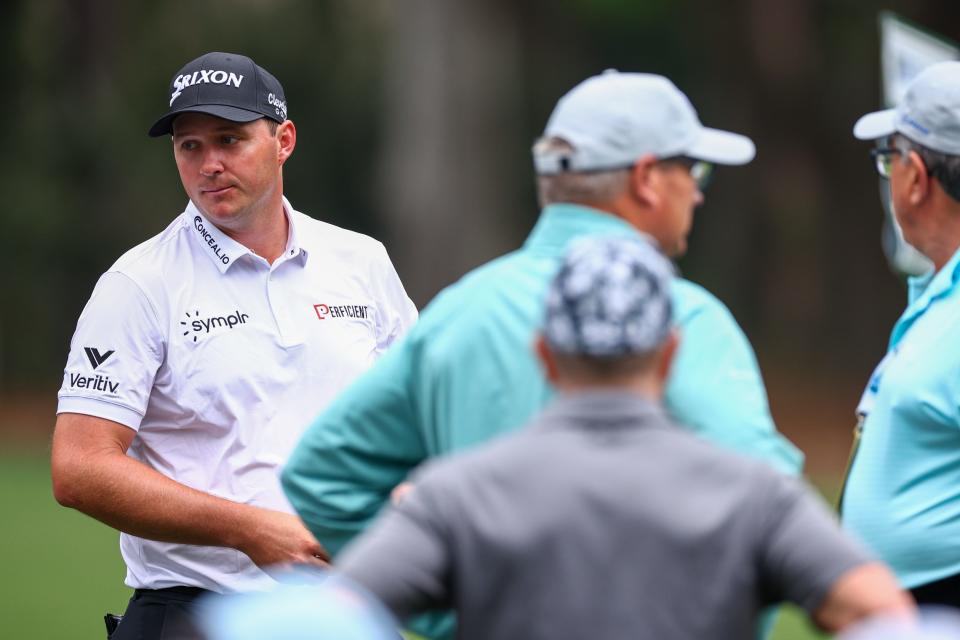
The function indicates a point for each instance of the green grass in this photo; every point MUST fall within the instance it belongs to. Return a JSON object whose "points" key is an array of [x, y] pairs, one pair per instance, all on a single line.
{"points": [[62, 570], [792, 624]]}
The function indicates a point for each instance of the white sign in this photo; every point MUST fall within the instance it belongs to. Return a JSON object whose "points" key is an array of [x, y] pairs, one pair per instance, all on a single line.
{"points": [[906, 50]]}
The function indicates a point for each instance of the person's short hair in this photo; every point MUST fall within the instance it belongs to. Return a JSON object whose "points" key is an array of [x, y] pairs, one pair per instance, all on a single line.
{"points": [[576, 187], [942, 166], [611, 370], [272, 126]]}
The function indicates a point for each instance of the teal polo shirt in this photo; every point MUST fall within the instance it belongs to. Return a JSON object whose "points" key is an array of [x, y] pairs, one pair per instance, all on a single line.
{"points": [[466, 372], [903, 492]]}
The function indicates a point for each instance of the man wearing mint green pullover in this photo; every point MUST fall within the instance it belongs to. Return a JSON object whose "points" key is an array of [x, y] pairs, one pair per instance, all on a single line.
{"points": [[622, 154]]}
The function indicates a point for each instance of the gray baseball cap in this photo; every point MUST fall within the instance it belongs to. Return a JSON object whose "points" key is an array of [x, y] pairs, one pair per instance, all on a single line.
{"points": [[614, 118], [610, 298], [929, 113]]}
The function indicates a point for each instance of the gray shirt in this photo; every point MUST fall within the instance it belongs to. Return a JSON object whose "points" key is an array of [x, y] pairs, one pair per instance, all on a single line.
{"points": [[602, 519]]}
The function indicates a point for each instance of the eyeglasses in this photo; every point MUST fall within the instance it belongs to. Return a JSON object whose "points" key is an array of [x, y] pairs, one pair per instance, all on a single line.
{"points": [[700, 170], [883, 159]]}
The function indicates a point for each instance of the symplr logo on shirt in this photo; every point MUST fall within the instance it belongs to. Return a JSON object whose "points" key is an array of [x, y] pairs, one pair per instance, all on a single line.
{"points": [[198, 326]]}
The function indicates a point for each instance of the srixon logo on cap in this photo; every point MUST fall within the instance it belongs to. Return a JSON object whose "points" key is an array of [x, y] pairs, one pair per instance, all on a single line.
{"points": [[203, 76]]}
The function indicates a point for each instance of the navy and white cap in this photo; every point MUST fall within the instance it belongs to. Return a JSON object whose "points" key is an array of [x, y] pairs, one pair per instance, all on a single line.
{"points": [[614, 118], [611, 298], [226, 85], [929, 113]]}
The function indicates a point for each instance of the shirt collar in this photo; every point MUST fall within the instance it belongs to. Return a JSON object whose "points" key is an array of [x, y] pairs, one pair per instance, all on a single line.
{"points": [[560, 223], [609, 407], [923, 290], [224, 250], [218, 246], [294, 248]]}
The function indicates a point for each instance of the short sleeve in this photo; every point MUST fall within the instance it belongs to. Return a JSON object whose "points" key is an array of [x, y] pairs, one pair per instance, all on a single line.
{"points": [[397, 313], [803, 550], [114, 354]]}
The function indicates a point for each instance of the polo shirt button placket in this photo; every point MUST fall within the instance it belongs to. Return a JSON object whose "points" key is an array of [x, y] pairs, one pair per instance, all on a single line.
{"points": [[287, 332]]}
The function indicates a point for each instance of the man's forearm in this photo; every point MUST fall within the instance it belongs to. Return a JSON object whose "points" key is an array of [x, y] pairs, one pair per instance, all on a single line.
{"points": [[127, 495], [92, 473]]}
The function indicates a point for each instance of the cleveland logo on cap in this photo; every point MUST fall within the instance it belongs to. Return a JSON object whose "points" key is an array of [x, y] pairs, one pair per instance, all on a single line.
{"points": [[203, 76]]}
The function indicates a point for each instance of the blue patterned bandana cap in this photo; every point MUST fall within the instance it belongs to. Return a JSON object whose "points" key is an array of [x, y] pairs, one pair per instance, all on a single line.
{"points": [[610, 298]]}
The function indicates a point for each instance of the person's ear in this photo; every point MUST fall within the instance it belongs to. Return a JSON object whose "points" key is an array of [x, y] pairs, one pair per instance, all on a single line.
{"points": [[546, 358], [644, 182], [287, 139], [917, 178], [667, 354]]}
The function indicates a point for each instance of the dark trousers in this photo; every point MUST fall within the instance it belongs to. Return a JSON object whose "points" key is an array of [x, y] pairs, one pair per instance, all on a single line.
{"points": [[160, 614], [946, 592]]}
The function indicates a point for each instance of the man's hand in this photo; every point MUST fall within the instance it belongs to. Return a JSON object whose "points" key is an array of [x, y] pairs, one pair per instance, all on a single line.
{"points": [[400, 492], [281, 539], [867, 590]]}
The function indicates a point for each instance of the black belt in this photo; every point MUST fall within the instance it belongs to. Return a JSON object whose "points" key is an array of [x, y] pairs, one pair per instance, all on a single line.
{"points": [[173, 593], [945, 591]]}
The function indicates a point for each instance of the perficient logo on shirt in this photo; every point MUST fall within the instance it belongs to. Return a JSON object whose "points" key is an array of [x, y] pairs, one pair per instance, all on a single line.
{"points": [[199, 326], [359, 311]]}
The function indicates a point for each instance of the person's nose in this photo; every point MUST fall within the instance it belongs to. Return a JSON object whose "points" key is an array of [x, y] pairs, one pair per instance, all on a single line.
{"points": [[212, 164]]}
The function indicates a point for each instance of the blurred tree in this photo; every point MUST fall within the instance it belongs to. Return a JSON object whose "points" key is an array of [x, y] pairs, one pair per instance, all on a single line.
{"points": [[451, 107], [415, 122]]}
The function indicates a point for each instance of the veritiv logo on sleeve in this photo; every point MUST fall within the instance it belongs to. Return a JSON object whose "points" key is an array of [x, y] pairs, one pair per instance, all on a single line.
{"points": [[95, 357], [95, 382]]}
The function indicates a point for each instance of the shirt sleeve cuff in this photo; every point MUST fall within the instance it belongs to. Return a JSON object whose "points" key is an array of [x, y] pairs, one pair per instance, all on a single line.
{"points": [[100, 409]]}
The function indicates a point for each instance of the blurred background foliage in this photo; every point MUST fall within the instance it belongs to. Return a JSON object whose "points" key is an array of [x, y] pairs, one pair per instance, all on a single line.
{"points": [[415, 121]]}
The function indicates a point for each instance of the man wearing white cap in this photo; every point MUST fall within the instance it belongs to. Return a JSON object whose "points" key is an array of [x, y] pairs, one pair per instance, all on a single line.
{"points": [[603, 518], [903, 491], [622, 154]]}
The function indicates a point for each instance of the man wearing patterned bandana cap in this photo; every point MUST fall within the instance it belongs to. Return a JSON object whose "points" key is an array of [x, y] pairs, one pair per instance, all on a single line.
{"points": [[602, 517]]}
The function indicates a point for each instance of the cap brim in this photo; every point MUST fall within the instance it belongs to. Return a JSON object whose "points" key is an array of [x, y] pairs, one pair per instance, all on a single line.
{"points": [[878, 124], [164, 126], [722, 147]]}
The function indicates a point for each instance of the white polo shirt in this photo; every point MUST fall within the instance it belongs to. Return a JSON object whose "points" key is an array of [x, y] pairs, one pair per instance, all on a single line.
{"points": [[219, 360]]}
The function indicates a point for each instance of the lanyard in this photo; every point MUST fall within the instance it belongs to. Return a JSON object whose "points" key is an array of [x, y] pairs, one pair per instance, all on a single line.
{"points": [[864, 407], [869, 397]]}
